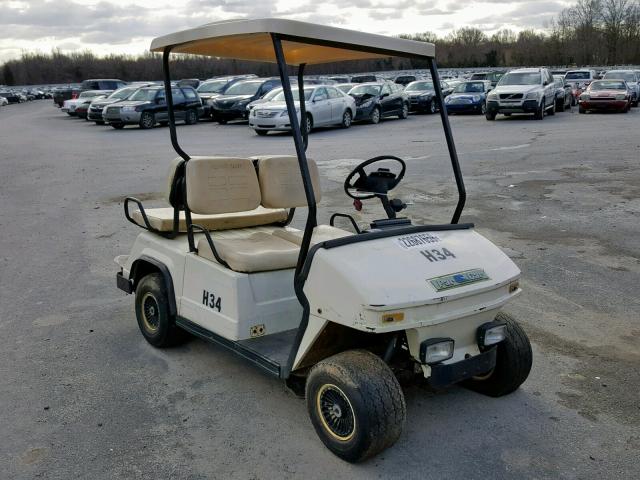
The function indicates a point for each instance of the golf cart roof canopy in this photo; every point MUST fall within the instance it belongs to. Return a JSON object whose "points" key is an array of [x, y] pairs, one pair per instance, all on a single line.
{"points": [[302, 42]]}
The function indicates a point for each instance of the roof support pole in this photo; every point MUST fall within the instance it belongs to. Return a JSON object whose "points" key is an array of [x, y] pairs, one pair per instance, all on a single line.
{"points": [[453, 154], [169, 99], [303, 107]]}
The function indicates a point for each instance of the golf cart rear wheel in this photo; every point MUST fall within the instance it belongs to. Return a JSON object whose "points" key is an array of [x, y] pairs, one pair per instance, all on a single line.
{"points": [[513, 362], [152, 312], [356, 404]]}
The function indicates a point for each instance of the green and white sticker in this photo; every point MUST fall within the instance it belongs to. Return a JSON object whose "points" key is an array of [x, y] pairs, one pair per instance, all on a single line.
{"points": [[459, 279]]}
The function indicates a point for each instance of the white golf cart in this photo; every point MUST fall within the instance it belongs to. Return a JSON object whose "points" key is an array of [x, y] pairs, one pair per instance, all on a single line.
{"points": [[339, 315]]}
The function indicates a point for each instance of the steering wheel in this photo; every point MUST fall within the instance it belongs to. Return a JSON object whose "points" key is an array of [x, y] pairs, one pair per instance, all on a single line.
{"points": [[376, 183]]}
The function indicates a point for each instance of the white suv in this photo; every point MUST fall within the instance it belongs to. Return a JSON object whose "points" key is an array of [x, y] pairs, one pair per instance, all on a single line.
{"points": [[527, 90]]}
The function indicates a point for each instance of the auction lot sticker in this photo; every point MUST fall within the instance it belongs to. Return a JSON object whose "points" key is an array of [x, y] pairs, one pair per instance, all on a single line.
{"points": [[417, 240]]}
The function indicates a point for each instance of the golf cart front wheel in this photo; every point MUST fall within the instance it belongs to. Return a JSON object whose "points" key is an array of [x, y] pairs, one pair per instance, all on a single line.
{"points": [[513, 362], [356, 404], [156, 324]]}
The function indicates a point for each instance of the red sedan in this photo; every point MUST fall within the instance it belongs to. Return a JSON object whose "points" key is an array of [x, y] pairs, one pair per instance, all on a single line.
{"points": [[606, 95]]}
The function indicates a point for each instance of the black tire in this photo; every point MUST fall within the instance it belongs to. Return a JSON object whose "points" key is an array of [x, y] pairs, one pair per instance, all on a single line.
{"points": [[99, 122], [483, 109], [164, 123], [156, 324], [560, 106], [491, 116], [581, 109], [539, 115], [513, 362], [191, 117], [404, 113], [117, 126], [147, 120], [347, 119], [432, 107], [375, 116], [567, 107], [356, 404], [309, 123], [507, 114], [222, 121], [262, 133]]}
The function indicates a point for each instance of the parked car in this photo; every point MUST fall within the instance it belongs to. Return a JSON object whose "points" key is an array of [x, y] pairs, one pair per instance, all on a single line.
{"points": [[69, 106], [61, 94], [148, 106], [232, 104], [212, 89], [564, 93], [469, 97], [189, 82], [97, 105], [345, 87], [606, 95], [422, 95], [82, 108], [526, 90], [11, 97], [340, 79], [325, 106], [99, 84], [364, 79], [377, 100], [633, 82], [583, 76], [3, 100], [405, 80], [493, 77]]}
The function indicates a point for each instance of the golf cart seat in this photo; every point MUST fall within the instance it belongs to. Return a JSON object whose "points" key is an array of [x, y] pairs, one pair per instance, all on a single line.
{"points": [[279, 186], [162, 219]]}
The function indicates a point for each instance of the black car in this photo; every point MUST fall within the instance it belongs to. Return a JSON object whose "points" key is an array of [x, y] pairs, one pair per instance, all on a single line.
{"points": [[232, 104], [98, 84], [422, 95], [377, 100], [363, 79], [11, 97], [213, 88], [61, 94], [405, 80], [148, 106]]}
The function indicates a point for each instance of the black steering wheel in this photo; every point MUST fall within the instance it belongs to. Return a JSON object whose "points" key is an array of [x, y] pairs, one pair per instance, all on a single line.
{"points": [[376, 183]]}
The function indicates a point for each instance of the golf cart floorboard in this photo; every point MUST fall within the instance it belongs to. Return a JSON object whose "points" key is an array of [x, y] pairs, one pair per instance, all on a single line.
{"points": [[269, 352]]}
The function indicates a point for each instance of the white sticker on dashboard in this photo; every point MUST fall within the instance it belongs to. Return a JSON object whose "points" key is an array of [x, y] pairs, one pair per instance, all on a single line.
{"points": [[417, 240]]}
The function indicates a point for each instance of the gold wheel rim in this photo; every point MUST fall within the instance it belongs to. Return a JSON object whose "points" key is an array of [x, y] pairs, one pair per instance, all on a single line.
{"points": [[333, 415], [150, 313]]}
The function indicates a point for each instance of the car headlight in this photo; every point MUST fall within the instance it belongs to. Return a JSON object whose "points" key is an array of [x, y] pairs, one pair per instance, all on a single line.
{"points": [[284, 114], [532, 95], [241, 103], [426, 95], [436, 350], [477, 98], [491, 333], [448, 99], [366, 104], [492, 96], [621, 96], [128, 109]]}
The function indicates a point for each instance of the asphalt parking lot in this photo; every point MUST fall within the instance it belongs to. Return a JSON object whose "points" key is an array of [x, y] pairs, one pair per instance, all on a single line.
{"points": [[84, 396]]}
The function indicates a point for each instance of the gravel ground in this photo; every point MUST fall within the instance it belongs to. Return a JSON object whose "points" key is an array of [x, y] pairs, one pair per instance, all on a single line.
{"points": [[84, 396]]}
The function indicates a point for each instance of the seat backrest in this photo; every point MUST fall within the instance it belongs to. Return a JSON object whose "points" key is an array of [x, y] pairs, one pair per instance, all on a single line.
{"points": [[281, 182], [174, 193], [221, 185]]}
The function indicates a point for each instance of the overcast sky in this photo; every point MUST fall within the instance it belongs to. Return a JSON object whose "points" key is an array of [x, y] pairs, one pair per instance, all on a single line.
{"points": [[112, 26]]}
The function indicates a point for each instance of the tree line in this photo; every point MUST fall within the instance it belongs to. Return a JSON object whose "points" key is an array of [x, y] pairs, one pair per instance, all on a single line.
{"points": [[592, 32]]}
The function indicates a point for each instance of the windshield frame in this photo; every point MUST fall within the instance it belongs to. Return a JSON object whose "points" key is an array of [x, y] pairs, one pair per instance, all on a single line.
{"points": [[417, 83]]}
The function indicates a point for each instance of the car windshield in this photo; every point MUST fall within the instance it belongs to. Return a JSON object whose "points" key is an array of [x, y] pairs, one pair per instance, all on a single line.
{"points": [[473, 87], [243, 88], [577, 76], [365, 90], [272, 94], [521, 78], [280, 96], [144, 94], [212, 87], [419, 86], [608, 86], [478, 76], [627, 76], [122, 93], [346, 87]]}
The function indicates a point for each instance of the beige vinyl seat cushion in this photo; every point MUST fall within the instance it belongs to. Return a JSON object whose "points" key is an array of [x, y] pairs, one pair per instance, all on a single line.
{"points": [[162, 219], [251, 250], [321, 233]]}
